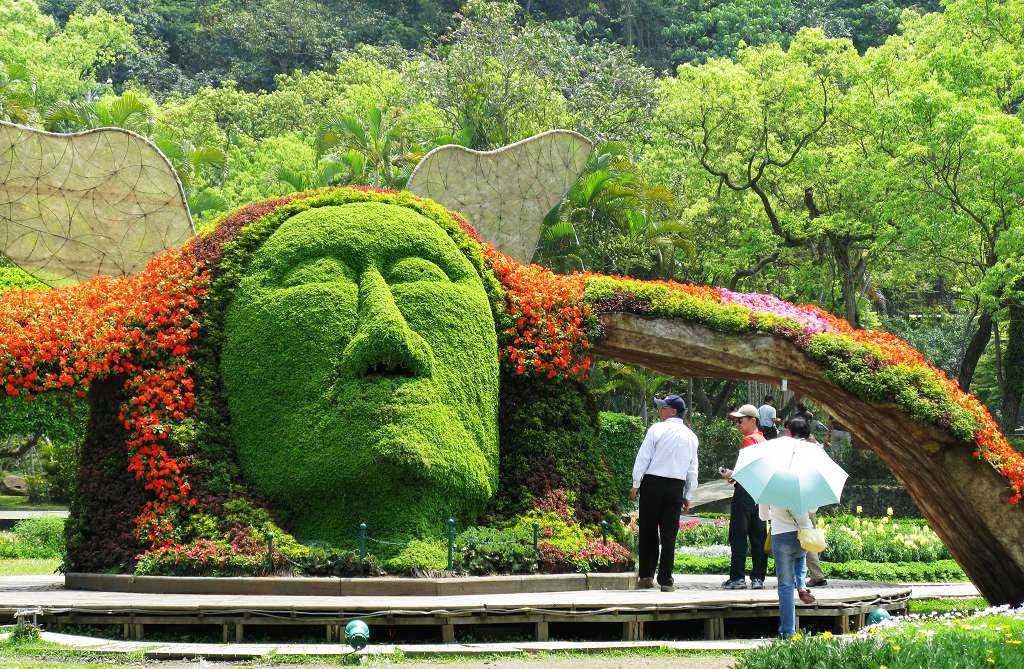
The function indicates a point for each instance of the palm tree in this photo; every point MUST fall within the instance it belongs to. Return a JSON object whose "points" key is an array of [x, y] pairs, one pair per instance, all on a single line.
{"points": [[17, 88], [198, 167], [612, 220], [338, 169], [633, 387], [377, 138], [128, 111]]}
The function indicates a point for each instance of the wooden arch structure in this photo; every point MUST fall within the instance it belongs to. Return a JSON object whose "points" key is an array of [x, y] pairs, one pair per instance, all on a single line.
{"points": [[963, 498]]}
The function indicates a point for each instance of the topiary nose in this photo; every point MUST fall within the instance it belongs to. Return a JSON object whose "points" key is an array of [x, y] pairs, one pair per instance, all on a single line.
{"points": [[384, 344]]}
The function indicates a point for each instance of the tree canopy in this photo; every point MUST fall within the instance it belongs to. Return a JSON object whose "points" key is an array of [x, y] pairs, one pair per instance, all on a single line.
{"points": [[863, 156]]}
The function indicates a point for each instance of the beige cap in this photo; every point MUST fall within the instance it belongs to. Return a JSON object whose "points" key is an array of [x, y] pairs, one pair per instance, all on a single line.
{"points": [[745, 411]]}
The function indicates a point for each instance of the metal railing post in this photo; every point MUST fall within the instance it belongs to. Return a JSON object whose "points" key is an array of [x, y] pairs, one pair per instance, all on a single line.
{"points": [[451, 544]]}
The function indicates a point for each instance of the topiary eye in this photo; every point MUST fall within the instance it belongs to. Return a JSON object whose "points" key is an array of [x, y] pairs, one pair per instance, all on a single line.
{"points": [[318, 270], [410, 270]]}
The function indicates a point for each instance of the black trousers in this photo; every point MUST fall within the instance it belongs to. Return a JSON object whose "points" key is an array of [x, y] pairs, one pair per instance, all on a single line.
{"points": [[661, 501], [745, 524]]}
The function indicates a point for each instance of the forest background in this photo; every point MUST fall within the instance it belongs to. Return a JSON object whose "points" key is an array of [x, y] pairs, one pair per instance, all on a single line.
{"points": [[866, 156]]}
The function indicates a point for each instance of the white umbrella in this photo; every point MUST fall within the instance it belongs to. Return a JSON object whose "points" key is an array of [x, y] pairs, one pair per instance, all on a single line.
{"points": [[790, 473]]}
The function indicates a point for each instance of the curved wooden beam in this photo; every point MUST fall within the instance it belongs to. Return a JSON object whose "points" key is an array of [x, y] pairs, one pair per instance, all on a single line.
{"points": [[963, 498]]}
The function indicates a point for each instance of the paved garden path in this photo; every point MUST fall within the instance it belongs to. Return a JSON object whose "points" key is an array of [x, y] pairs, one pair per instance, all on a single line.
{"points": [[683, 582], [379, 654], [713, 491], [34, 590]]}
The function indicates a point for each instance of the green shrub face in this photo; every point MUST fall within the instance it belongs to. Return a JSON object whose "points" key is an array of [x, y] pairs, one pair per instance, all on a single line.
{"points": [[361, 371]]}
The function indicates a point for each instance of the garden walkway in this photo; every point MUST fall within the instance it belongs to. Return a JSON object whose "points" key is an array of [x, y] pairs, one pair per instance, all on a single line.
{"points": [[683, 582], [711, 492], [698, 599], [241, 651]]}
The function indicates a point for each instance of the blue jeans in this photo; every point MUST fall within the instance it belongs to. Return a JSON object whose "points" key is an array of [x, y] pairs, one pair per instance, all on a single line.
{"points": [[789, 566]]}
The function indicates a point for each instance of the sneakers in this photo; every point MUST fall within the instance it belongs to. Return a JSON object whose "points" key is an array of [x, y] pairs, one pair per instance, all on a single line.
{"points": [[756, 584], [644, 583], [668, 588], [738, 584]]}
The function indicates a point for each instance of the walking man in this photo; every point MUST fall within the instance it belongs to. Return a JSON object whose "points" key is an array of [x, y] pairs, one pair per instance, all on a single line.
{"points": [[664, 477], [744, 522], [768, 419]]}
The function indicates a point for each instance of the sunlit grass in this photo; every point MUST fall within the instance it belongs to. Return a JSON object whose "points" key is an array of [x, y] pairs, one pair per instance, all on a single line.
{"points": [[28, 567], [19, 503]]}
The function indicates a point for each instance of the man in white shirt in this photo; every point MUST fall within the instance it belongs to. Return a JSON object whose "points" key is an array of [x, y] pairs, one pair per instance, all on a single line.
{"points": [[664, 477], [768, 421]]}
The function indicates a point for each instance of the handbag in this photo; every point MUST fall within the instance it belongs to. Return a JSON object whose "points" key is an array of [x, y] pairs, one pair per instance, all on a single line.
{"points": [[812, 539]]}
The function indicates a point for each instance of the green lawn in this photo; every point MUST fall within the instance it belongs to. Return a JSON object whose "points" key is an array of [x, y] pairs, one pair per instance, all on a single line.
{"points": [[28, 567], [18, 503], [966, 604]]}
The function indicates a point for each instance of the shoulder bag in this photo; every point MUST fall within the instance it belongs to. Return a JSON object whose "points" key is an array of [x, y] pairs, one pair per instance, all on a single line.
{"points": [[812, 539]]}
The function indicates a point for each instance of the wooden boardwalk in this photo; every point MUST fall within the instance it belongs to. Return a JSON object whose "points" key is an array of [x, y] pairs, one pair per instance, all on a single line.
{"points": [[697, 599]]}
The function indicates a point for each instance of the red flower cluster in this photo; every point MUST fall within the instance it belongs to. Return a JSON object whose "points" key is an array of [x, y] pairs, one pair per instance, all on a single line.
{"points": [[610, 556], [548, 336], [138, 327]]}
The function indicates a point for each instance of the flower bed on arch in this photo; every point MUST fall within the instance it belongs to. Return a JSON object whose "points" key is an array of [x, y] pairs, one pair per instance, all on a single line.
{"points": [[872, 364]]}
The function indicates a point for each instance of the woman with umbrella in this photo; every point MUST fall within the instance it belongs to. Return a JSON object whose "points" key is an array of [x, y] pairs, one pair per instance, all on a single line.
{"points": [[790, 556], [788, 477]]}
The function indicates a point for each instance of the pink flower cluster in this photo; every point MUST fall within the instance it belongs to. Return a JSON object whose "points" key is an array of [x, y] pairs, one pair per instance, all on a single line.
{"points": [[810, 318]]}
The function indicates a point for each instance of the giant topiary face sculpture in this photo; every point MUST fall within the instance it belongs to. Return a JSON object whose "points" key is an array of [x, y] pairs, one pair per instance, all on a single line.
{"points": [[333, 352], [361, 373]]}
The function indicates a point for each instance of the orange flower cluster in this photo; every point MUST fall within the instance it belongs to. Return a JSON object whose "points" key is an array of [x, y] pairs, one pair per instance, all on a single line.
{"points": [[138, 327], [548, 335], [992, 446]]}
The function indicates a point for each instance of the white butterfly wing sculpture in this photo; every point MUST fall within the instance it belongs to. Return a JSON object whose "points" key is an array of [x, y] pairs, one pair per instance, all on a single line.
{"points": [[505, 193], [78, 205]]}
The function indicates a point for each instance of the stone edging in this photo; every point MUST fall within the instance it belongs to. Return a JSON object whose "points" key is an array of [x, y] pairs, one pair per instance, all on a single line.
{"points": [[333, 587]]}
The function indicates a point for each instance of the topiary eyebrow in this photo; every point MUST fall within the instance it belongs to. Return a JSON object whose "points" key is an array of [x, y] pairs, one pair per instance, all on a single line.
{"points": [[451, 260]]}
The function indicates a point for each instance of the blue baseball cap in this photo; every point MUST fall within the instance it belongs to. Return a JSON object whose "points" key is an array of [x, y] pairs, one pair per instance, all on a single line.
{"points": [[674, 401]]}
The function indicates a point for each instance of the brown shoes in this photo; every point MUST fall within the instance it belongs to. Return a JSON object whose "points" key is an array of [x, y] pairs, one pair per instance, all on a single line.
{"points": [[805, 596], [644, 583]]}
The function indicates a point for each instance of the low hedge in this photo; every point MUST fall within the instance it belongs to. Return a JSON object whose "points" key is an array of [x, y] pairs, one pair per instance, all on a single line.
{"points": [[854, 570], [875, 499]]}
